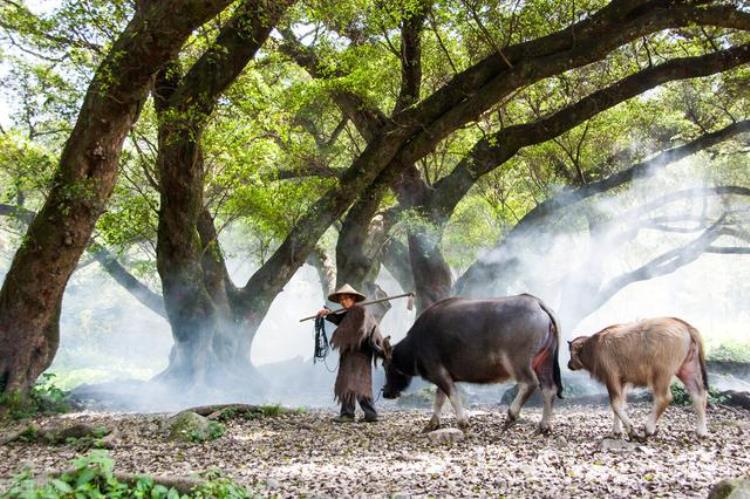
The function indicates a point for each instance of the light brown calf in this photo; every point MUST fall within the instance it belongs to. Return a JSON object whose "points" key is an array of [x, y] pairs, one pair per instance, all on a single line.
{"points": [[646, 353]]}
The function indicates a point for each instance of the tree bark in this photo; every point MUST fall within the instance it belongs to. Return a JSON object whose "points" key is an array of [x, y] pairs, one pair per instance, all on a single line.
{"points": [[31, 296]]}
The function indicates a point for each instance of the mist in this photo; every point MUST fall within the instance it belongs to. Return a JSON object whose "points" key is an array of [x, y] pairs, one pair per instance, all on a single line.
{"points": [[570, 260], [106, 335]]}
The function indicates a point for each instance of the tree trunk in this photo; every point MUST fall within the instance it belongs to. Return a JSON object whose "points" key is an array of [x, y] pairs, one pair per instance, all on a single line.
{"points": [[357, 259], [432, 275], [31, 296], [213, 324]]}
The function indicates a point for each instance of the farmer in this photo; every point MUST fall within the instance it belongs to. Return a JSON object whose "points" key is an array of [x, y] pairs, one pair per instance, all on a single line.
{"points": [[358, 340]]}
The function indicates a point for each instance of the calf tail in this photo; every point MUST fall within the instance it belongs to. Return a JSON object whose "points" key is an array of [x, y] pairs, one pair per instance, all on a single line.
{"points": [[555, 325], [695, 337], [701, 355]]}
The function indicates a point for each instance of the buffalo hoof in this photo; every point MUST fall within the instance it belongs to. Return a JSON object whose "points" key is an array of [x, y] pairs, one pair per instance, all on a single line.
{"points": [[543, 430], [637, 437], [509, 423], [650, 432], [432, 425], [463, 425]]}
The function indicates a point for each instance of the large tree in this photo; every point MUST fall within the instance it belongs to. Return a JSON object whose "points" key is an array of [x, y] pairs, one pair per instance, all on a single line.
{"points": [[31, 296], [213, 322]]}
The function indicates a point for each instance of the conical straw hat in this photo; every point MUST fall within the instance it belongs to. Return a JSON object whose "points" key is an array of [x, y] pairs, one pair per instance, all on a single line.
{"points": [[346, 290]]}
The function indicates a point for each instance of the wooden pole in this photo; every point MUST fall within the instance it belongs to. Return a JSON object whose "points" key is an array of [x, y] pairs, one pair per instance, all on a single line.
{"points": [[370, 302]]}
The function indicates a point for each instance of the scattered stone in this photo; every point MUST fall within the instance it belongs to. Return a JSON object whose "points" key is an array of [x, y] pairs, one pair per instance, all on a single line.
{"points": [[450, 435], [617, 445], [561, 441], [737, 488], [188, 426], [734, 398], [110, 441], [390, 457]]}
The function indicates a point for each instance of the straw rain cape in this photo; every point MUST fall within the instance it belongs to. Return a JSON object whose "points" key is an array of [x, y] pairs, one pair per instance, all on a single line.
{"points": [[358, 341]]}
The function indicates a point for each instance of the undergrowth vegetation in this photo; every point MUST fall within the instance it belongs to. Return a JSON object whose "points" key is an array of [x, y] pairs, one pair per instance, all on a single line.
{"points": [[93, 476], [45, 398]]}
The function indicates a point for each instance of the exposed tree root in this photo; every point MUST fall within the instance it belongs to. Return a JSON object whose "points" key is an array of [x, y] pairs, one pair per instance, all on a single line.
{"points": [[222, 410]]}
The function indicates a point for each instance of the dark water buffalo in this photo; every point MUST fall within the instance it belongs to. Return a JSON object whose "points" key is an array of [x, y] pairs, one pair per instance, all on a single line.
{"points": [[480, 341]]}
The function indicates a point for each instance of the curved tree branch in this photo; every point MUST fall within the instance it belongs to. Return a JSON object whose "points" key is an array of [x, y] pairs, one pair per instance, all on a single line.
{"points": [[480, 271], [107, 260], [495, 150]]}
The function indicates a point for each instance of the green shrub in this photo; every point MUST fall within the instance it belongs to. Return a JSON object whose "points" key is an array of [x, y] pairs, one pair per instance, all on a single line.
{"points": [[215, 430], [217, 485], [272, 411], [731, 351], [44, 398], [92, 476], [680, 396]]}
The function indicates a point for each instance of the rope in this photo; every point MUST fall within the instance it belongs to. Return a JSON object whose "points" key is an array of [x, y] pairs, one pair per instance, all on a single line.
{"points": [[325, 363], [322, 347]]}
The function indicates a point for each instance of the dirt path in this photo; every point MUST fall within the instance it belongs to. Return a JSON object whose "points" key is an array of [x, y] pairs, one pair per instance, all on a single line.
{"points": [[306, 454]]}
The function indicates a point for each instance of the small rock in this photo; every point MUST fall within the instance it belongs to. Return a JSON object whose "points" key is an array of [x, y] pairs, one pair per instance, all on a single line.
{"points": [[617, 445], [188, 426], [408, 458], [737, 488], [446, 435], [272, 484], [111, 440]]}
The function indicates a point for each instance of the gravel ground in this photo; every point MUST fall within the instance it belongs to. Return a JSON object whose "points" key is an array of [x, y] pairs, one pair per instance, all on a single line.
{"points": [[306, 454]]}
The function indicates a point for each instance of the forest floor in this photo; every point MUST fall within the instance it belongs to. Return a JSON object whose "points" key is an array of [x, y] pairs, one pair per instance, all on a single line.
{"points": [[306, 454]]}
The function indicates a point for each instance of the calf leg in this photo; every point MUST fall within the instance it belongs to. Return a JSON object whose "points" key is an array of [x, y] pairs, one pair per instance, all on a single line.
{"points": [[616, 423], [437, 408], [693, 381], [662, 398], [527, 383], [617, 401]]}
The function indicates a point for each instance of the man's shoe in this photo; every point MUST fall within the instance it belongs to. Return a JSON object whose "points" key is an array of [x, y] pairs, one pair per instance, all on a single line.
{"points": [[369, 419], [343, 419]]}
